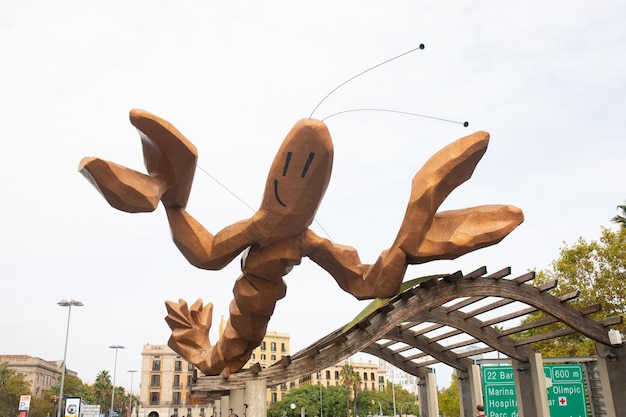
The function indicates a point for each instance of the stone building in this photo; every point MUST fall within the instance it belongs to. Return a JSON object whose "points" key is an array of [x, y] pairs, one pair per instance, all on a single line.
{"points": [[41, 374]]}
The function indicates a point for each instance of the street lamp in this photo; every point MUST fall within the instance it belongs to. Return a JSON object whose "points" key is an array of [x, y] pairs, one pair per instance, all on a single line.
{"points": [[130, 406], [393, 389], [116, 347], [69, 304], [319, 382]]}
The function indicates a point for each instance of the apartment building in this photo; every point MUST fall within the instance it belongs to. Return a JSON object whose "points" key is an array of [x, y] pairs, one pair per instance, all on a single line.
{"points": [[165, 385], [166, 378]]}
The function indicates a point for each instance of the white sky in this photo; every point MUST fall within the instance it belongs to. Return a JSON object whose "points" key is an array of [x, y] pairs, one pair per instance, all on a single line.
{"points": [[546, 79]]}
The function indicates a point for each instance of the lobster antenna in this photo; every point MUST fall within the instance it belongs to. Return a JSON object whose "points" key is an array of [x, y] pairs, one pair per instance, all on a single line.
{"points": [[421, 46], [465, 124]]}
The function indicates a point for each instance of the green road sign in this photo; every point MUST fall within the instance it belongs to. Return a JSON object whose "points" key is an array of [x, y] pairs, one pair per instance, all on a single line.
{"points": [[566, 395]]}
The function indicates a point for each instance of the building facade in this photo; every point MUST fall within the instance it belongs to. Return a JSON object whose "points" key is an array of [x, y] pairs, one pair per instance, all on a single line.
{"points": [[41, 374], [165, 385], [166, 378]]}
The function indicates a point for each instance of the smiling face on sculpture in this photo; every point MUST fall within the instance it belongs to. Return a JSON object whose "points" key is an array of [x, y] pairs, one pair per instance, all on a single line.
{"points": [[298, 178]]}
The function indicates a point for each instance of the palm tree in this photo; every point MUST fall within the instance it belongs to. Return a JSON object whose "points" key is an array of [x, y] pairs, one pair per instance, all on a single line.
{"points": [[352, 381], [102, 389], [620, 218]]}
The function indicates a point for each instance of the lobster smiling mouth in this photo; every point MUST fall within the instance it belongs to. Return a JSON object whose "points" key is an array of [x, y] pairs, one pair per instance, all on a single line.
{"points": [[306, 167]]}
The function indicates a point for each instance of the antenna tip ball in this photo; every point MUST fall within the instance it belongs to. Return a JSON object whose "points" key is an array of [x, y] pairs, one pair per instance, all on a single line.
{"points": [[422, 46], [465, 124]]}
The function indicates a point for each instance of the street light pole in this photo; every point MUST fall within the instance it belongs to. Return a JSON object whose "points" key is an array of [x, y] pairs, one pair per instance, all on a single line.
{"points": [[319, 381], [116, 347], [393, 388], [69, 304], [130, 406]]}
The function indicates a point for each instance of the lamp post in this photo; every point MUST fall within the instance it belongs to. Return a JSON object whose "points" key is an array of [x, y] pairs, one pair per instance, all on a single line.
{"points": [[116, 347], [393, 389], [69, 304], [130, 406], [319, 381]]}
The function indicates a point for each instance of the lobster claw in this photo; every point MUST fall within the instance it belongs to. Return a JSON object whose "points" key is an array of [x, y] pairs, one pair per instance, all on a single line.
{"points": [[426, 235], [190, 331]]}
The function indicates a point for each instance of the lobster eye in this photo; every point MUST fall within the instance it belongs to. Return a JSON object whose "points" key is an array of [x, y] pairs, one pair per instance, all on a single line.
{"points": [[287, 159], [307, 164]]}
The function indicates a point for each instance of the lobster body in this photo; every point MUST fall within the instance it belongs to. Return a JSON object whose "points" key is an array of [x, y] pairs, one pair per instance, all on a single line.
{"points": [[277, 236]]}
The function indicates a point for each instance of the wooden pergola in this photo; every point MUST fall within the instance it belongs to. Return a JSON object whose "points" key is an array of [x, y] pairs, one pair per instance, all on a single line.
{"points": [[446, 319]]}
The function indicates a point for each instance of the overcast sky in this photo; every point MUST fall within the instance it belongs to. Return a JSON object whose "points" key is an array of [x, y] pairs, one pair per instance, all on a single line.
{"points": [[546, 79]]}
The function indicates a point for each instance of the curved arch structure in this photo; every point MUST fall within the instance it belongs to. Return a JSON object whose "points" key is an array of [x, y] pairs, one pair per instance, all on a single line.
{"points": [[408, 330]]}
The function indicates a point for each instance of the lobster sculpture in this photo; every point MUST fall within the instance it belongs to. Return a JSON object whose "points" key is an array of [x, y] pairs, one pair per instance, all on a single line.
{"points": [[277, 236]]}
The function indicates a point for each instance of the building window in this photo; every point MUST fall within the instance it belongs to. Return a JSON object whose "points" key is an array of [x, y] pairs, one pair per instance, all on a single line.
{"points": [[372, 377], [283, 348], [154, 398], [176, 397], [381, 379], [263, 357], [253, 357], [189, 381], [273, 358], [178, 366], [189, 412], [274, 397], [263, 345], [176, 411], [364, 376], [177, 381], [201, 411], [155, 381], [156, 365], [373, 386], [336, 374], [327, 374], [190, 367], [273, 346]]}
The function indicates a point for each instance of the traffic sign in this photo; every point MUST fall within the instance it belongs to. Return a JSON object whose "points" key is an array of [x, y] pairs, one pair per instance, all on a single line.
{"points": [[566, 394]]}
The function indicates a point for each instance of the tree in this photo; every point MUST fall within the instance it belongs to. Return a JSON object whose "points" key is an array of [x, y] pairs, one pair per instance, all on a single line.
{"points": [[620, 218], [449, 399], [405, 401], [5, 373], [598, 270], [12, 386], [352, 381], [102, 389], [308, 396]]}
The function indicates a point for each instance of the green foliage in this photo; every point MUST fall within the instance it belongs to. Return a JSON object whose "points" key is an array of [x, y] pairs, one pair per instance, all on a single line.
{"points": [[334, 402], [620, 218], [598, 270], [308, 396], [351, 380], [102, 389], [40, 407], [12, 386], [449, 399]]}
